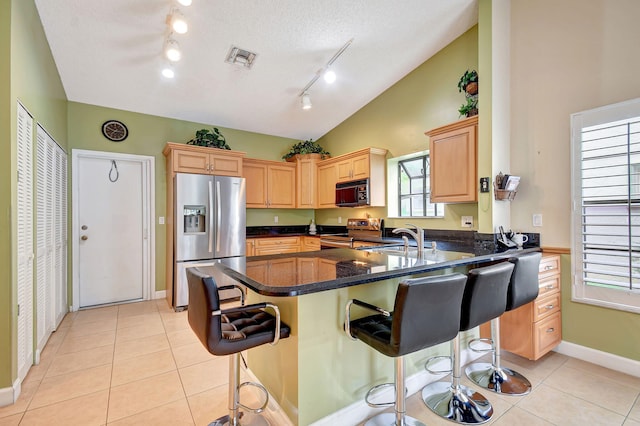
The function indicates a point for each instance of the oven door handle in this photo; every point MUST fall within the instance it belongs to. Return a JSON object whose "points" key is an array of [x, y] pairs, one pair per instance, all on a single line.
{"points": [[336, 243]]}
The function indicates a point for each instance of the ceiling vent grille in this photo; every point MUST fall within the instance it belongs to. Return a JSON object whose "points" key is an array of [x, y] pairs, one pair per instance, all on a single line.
{"points": [[241, 57]]}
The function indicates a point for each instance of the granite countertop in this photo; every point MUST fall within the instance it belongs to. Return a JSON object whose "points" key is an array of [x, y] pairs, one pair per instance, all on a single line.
{"points": [[294, 274]]}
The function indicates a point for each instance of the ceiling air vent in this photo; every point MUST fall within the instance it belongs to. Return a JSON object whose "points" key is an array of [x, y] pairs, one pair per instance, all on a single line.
{"points": [[241, 57]]}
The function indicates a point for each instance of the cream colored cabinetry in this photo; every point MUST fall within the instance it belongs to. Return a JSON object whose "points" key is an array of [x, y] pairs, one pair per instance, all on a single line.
{"points": [[182, 158], [368, 163], [201, 160], [270, 184], [534, 329], [453, 157]]}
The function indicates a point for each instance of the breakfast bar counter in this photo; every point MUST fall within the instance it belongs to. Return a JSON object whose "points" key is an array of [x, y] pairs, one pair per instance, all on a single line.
{"points": [[318, 370]]}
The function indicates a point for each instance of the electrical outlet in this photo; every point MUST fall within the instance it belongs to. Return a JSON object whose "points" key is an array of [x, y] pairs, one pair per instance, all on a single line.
{"points": [[466, 222], [275, 219], [339, 219], [537, 219], [161, 220]]}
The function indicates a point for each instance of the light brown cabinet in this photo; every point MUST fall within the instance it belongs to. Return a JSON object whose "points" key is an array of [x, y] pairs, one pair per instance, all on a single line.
{"points": [[202, 160], [534, 329], [453, 157], [366, 163], [270, 184], [310, 243], [272, 245], [306, 183]]}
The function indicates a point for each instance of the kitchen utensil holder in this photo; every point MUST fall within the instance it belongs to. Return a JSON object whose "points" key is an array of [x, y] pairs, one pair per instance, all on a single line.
{"points": [[503, 194]]}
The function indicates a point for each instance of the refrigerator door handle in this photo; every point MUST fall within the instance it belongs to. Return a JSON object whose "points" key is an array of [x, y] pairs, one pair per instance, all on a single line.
{"points": [[218, 214], [211, 228]]}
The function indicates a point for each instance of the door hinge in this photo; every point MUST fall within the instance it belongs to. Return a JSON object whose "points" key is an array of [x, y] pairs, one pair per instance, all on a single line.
{"points": [[18, 310]]}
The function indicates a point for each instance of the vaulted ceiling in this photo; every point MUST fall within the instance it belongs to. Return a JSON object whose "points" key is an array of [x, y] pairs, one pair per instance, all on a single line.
{"points": [[110, 53]]}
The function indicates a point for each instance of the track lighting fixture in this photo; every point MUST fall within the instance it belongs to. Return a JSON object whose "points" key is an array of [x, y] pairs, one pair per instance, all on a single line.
{"points": [[178, 23], [172, 50], [306, 101], [168, 71], [327, 72]]}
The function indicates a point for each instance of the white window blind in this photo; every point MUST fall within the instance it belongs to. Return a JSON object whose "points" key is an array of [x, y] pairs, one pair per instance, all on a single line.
{"points": [[606, 196]]}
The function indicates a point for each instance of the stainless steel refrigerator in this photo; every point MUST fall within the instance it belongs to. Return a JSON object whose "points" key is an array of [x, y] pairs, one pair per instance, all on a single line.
{"points": [[210, 224]]}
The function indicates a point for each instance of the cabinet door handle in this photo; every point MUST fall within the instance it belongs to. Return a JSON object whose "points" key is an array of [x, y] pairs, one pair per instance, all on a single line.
{"points": [[551, 330]]}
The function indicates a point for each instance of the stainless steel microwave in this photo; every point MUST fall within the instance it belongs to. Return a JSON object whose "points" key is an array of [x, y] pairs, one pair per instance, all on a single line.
{"points": [[352, 194]]}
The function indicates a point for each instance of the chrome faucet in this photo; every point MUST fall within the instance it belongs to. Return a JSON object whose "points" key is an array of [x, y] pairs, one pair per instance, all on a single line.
{"points": [[418, 235]]}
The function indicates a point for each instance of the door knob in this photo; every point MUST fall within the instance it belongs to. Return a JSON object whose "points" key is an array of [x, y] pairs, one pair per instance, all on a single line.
{"points": [[84, 238], [84, 227]]}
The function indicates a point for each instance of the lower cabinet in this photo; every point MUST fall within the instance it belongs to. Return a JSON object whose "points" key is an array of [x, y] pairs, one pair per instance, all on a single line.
{"points": [[278, 245], [534, 329]]}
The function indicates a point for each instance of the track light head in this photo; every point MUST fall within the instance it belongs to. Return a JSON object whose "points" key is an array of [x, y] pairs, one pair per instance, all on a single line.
{"points": [[168, 71], [306, 101], [329, 76], [172, 50], [178, 23], [185, 2]]}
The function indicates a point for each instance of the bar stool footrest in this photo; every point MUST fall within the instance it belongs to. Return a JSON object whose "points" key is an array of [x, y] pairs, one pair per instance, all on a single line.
{"points": [[375, 389], [266, 395], [482, 340], [433, 359]]}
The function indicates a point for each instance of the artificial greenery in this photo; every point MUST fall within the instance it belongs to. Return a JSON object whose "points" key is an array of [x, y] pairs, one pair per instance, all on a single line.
{"points": [[467, 77], [470, 108], [306, 147], [212, 139]]}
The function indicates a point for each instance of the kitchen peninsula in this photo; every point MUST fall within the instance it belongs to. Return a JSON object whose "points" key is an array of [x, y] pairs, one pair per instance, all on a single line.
{"points": [[318, 370]]}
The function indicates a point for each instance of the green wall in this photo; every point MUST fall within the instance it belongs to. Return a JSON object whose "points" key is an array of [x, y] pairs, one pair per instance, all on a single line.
{"points": [[148, 135], [29, 74], [6, 294], [396, 120]]}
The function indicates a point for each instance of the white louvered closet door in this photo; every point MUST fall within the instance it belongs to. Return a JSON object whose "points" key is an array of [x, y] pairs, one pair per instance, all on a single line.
{"points": [[51, 237], [60, 269], [24, 213], [43, 267]]}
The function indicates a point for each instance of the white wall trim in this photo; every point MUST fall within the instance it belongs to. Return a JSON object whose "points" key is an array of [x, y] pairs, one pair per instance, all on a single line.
{"points": [[359, 411], [9, 395], [149, 268], [160, 294], [604, 359]]}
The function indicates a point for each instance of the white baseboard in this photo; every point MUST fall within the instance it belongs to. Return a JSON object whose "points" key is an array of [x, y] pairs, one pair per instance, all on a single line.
{"points": [[604, 359], [10, 395], [162, 294], [357, 412]]}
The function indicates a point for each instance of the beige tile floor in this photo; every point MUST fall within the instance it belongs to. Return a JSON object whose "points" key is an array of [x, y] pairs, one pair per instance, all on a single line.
{"points": [[139, 364]]}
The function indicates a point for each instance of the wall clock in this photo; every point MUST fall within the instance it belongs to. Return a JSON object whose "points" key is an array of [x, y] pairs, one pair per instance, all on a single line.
{"points": [[115, 130]]}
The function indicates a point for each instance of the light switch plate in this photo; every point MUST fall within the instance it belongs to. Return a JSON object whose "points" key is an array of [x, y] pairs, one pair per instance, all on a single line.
{"points": [[537, 219]]}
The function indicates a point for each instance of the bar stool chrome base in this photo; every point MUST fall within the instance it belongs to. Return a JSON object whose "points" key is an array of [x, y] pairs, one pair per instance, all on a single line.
{"points": [[389, 419], [460, 405], [500, 380], [244, 419]]}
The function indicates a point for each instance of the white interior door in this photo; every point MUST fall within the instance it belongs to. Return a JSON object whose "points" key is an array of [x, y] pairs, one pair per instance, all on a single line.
{"points": [[112, 217]]}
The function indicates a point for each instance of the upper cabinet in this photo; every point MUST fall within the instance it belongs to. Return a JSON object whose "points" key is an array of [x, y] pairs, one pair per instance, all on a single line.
{"points": [[306, 182], [366, 163], [270, 184], [182, 158], [453, 156]]}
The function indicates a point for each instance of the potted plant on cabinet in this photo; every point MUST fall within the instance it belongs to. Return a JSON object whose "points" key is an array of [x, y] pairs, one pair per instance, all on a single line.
{"points": [[470, 108], [211, 139], [469, 82], [305, 148]]}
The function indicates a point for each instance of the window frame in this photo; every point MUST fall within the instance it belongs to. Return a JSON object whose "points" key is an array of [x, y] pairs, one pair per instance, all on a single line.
{"points": [[582, 238], [394, 187]]}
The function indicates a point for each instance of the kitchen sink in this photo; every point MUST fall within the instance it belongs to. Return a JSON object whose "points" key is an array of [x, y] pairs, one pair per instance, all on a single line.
{"points": [[412, 252]]}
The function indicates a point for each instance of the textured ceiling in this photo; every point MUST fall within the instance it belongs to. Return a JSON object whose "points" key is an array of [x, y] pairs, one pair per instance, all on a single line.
{"points": [[109, 53]]}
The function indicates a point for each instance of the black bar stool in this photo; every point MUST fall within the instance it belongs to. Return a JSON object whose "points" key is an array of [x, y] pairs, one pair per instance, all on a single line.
{"points": [[230, 331], [523, 288], [426, 313], [484, 298]]}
